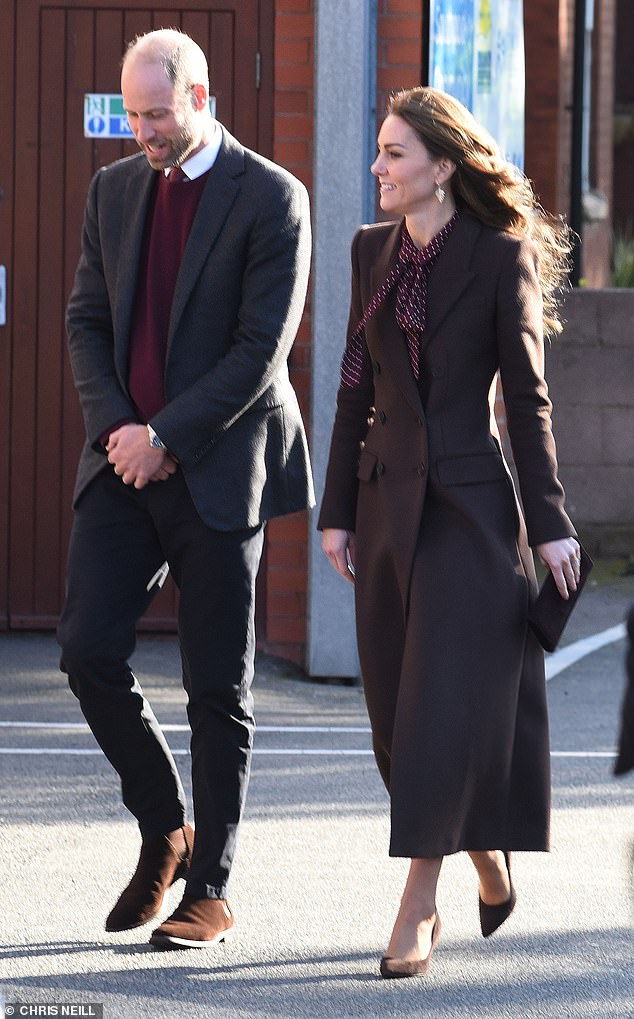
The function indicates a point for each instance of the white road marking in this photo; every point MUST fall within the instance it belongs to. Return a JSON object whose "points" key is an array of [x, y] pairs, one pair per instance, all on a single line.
{"points": [[567, 656], [262, 751], [555, 663], [82, 727]]}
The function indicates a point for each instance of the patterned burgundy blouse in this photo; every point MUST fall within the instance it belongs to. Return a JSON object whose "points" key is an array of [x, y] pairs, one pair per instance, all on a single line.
{"points": [[410, 276]]}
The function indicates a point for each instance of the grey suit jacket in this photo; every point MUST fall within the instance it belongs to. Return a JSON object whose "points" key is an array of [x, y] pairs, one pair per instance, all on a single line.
{"points": [[231, 417]]}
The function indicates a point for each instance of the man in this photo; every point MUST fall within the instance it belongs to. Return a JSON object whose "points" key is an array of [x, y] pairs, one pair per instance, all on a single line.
{"points": [[186, 301]]}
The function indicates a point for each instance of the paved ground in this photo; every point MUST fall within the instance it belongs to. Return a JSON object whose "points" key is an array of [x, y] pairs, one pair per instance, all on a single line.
{"points": [[313, 889]]}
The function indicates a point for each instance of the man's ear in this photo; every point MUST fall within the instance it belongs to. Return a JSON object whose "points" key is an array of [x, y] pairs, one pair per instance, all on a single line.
{"points": [[200, 97]]}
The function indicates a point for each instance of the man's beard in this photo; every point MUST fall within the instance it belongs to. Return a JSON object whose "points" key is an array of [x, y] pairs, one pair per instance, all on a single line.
{"points": [[179, 145]]}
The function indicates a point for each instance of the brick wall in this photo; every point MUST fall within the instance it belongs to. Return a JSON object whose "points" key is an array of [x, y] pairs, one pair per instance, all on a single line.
{"points": [[400, 43], [399, 53], [596, 255], [543, 156], [399, 49], [284, 589], [549, 37]]}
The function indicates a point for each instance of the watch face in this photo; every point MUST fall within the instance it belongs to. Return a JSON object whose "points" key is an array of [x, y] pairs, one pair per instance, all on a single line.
{"points": [[155, 442]]}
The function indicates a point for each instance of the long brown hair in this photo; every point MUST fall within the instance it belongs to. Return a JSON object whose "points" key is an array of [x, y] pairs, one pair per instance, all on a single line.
{"points": [[493, 189]]}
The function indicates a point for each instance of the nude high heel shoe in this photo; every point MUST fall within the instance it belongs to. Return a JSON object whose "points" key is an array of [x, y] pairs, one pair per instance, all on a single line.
{"points": [[393, 968]]}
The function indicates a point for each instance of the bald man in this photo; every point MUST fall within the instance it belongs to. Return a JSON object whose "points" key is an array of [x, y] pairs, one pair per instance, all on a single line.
{"points": [[185, 305]]}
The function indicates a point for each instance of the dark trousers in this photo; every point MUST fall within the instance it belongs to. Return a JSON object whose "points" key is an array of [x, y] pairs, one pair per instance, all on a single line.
{"points": [[120, 538]]}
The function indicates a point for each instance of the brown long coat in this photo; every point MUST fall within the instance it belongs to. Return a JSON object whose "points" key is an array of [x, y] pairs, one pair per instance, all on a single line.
{"points": [[454, 679]]}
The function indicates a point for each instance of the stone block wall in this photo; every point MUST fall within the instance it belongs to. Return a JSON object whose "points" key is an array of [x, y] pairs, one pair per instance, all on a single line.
{"points": [[590, 373]]}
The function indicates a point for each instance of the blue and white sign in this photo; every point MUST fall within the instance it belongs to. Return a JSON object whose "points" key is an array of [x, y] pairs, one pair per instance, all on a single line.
{"points": [[105, 117], [476, 53], [451, 44]]}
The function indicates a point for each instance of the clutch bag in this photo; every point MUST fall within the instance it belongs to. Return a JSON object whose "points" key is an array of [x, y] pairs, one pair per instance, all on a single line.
{"points": [[549, 613]]}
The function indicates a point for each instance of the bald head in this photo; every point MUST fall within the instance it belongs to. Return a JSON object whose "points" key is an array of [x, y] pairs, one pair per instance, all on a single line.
{"points": [[165, 88], [182, 60]]}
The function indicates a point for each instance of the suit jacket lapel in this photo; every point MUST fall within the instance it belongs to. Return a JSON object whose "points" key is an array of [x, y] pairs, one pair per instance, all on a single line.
{"points": [[218, 196], [135, 205]]}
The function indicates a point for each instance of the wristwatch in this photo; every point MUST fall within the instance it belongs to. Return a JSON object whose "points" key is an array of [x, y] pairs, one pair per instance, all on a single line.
{"points": [[155, 442]]}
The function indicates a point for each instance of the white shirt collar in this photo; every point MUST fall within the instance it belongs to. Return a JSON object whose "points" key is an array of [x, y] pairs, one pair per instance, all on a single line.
{"points": [[203, 161]]}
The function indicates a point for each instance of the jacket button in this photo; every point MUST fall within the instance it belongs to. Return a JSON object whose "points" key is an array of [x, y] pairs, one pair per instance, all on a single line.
{"points": [[377, 367], [382, 417], [419, 421], [380, 468], [421, 470]]}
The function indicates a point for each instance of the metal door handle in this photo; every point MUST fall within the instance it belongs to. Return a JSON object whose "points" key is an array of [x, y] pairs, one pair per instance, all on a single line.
{"points": [[3, 295]]}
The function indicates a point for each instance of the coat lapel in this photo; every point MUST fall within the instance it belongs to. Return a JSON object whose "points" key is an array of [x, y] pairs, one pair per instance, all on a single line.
{"points": [[384, 334], [135, 204], [451, 274], [218, 196], [448, 281]]}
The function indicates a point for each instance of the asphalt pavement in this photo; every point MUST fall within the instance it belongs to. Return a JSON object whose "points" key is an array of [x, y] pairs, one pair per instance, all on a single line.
{"points": [[313, 889]]}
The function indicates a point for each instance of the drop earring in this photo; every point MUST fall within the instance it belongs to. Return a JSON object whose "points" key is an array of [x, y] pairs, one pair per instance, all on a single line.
{"points": [[440, 193]]}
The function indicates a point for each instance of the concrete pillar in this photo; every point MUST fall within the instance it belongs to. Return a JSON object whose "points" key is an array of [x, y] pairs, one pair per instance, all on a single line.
{"points": [[345, 37]]}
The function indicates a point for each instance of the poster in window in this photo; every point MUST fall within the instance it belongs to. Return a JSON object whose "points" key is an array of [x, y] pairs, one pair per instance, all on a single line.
{"points": [[477, 54]]}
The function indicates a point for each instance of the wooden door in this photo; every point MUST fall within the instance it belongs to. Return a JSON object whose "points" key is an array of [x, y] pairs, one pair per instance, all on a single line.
{"points": [[6, 254], [63, 50]]}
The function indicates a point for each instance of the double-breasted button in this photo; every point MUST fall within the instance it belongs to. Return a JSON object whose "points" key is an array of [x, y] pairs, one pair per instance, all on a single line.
{"points": [[422, 469], [382, 417], [380, 468], [377, 367]]}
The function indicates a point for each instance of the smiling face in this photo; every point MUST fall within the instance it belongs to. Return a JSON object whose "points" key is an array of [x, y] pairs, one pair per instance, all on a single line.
{"points": [[168, 127], [406, 171]]}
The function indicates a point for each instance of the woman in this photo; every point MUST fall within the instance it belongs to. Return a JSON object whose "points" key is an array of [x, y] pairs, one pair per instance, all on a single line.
{"points": [[420, 511]]}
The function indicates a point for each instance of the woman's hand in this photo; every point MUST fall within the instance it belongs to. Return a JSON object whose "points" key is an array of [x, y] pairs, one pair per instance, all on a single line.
{"points": [[563, 559], [339, 547]]}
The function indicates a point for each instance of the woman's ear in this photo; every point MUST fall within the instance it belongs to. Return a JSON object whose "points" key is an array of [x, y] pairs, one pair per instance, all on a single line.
{"points": [[446, 169]]}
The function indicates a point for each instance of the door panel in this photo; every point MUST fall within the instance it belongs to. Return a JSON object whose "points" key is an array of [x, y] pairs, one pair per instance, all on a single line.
{"points": [[64, 50], [7, 118]]}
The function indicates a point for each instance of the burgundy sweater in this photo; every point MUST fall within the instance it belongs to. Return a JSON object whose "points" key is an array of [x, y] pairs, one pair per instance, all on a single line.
{"points": [[169, 220]]}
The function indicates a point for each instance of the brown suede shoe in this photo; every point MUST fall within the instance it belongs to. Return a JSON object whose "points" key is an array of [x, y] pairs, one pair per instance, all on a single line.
{"points": [[197, 923], [163, 859]]}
